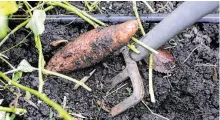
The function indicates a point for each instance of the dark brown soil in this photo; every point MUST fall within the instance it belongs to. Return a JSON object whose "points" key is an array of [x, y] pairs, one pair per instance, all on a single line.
{"points": [[189, 93]]}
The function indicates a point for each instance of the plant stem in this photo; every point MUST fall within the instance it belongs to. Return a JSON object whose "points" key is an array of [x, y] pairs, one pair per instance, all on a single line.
{"points": [[153, 112], [138, 18], [87, 5], [151, 90], [14, 30], [85, 14], [39, 4], [78, 83], [43, 97], [3, 59], [13, 110], [20, 26], [40, 62], [67, 3], [48, 8], [93, 18], [84, 79], [68, 78], [144, 45], [132, 47], [149, 7], [75, 10], [17, 43], [92, 5], [28, 8]]}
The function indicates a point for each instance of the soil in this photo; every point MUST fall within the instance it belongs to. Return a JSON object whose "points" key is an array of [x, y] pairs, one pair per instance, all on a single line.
{"points": [[189, 92]]}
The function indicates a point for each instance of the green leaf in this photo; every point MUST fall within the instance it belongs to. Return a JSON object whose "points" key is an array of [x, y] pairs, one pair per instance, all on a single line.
{"points": [[7, 116], [16, 76], [12, 116], [8, 7], [3, 26], [36, 24]]}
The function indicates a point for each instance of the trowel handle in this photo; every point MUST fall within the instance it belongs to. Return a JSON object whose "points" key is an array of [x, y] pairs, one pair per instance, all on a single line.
{"points": [[182, 17]]}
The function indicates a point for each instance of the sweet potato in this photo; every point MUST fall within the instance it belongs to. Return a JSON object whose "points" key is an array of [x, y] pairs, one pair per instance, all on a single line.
{"points": [[92, 46]]}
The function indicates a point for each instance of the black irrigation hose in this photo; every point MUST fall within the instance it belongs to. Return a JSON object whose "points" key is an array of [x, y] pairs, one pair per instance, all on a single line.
{"points": [[153, 18]]}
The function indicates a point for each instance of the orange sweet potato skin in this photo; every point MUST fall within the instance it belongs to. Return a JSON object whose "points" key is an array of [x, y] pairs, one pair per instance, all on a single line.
{"points": [[92, 46]]}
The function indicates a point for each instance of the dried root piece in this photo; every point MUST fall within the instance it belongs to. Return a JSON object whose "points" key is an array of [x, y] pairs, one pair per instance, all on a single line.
{"points": [[91, 47], [58, 42], [102, 105]]}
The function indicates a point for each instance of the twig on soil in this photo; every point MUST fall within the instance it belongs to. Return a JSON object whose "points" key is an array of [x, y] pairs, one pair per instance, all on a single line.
{"points": [[58, 42], [3, 59], [206, 65], [191, 53], [13, 110], [7, 62], [102, 105], [168, 80], [107, 94], [214, 75], [78, 115], [64, 102], [68, 78], [84, 79], [151, 90], [16, 44], [149, 7], [13, 31], [153, 112], [43, 97], [18, 94], [138, 18]]}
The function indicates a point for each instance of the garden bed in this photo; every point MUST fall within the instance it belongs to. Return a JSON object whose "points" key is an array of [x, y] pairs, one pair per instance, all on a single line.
{"points": [[189, 92]]}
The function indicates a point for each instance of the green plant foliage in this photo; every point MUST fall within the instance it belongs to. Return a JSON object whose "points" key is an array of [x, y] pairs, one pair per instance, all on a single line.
{"points": [[3, 26], [16, 76], [6, 8]]}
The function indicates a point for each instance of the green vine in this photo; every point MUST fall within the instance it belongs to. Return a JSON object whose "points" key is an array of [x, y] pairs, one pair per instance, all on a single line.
{"points": [[43, 97]]}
